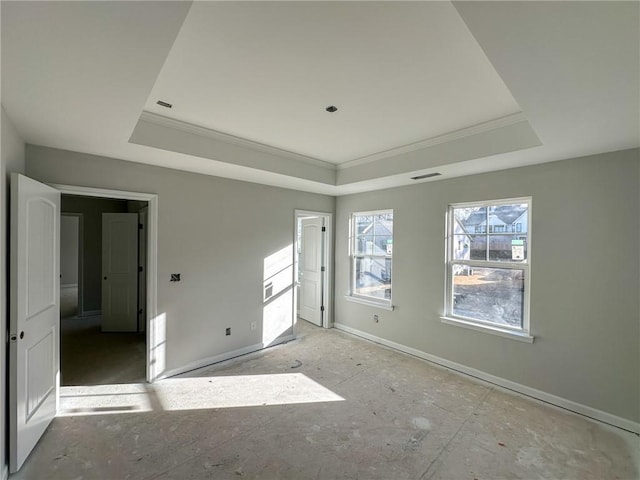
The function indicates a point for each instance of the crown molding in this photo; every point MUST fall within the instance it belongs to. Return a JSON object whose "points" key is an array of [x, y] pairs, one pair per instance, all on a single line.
{"points": [[161, 120], [430, 142]]}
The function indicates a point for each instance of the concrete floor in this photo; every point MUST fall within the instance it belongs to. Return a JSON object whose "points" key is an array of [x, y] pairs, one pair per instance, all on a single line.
{"points": [[90, 357], [325, 406]]}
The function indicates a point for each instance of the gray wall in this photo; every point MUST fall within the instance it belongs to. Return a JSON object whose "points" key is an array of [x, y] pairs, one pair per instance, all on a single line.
{"points": [[92, 210], [584, 278], [69, 250], [12, 159], [216, 232]]}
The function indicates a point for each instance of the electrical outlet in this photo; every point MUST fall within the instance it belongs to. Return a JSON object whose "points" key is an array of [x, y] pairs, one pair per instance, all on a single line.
{"points": [[254, 325], [375, 318], [228, 332]]}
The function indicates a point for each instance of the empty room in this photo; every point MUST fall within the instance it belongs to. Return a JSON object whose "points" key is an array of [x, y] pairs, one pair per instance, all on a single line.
{"points": [[320, 240]]}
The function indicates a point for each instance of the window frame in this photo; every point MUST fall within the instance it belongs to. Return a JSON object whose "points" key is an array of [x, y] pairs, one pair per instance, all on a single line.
{"points": [[519, 333], [386, 303]]}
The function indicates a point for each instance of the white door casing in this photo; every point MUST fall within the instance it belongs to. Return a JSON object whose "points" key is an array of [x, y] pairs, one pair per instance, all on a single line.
{"points": [[310, 267], [34, 326], [119, 272], [142, 275]]}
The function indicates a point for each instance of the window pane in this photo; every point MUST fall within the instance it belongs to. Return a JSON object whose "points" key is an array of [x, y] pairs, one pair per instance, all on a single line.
{"points": [[493, 295], [383, 245], [364, 224], [509, 218], [470, 220], [461, 247], [383, 224], [507, 248], [364, 244], [373, 277], [469, 247]]}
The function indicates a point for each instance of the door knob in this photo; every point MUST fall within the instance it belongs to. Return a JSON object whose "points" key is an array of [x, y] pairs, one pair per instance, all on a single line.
{"points": [[21, 335]]}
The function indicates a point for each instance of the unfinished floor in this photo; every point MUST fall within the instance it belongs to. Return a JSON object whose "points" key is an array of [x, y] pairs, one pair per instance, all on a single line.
{"points": [[90, 357], [325, 406]]}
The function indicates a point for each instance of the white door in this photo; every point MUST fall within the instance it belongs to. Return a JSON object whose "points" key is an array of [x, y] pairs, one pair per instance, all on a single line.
{"points": [[119, 272], [34, 326], [310, 267]]}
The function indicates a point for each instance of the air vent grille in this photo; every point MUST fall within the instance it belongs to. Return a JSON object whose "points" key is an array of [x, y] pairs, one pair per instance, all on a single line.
{"points": [[426, 175]]}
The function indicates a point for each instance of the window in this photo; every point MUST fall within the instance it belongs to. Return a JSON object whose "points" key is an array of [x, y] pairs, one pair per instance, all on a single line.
{"points": [[488, 268], [371, 249]]}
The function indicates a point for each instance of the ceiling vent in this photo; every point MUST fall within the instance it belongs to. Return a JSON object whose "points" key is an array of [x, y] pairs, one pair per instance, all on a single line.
{"points": [[426, 175]]}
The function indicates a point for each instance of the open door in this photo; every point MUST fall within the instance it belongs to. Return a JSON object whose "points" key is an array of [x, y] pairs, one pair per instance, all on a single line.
{"points": [[119, 272], [310, 270], [34, 325]]}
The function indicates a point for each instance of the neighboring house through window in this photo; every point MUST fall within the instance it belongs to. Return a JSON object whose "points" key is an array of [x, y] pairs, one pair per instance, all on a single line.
{"points": [[488, 264], [371, 251]]}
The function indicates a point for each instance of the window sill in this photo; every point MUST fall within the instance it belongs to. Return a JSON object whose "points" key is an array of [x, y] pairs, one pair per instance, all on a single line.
{"points": [[371, 303], [501, 332]]}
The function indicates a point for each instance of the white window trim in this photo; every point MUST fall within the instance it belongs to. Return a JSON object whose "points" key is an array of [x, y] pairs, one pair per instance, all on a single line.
{"points": [[383, 303], [521, 334]]}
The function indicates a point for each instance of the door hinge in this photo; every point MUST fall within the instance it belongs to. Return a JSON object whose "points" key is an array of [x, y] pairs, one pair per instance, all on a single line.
{"points": [[140, 268], [140, 226], [322, 308], [324, 229], [322, 269]]}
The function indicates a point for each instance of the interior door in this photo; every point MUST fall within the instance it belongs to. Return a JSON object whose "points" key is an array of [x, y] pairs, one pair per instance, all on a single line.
{"points": [[34, 325], [119, 272], [310, 266]]}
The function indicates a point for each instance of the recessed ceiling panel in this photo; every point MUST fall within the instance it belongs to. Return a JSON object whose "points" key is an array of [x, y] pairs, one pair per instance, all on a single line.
{"points": [[398, 73]]}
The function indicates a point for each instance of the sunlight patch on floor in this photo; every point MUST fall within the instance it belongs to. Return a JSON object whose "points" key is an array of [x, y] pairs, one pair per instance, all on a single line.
{"points": [[193, 394], [241, 391]]}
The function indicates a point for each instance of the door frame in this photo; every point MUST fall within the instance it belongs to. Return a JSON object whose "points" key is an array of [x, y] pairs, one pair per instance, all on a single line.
{"points": [[80, 256], [327, 254], [152, 257]]}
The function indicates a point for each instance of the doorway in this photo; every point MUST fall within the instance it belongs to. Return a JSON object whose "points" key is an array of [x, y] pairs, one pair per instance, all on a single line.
{"points": [[102, 338], [146, 206], [312, 267]]}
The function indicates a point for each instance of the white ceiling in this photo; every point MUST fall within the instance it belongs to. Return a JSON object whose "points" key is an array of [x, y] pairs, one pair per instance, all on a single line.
{"points": [[398, 73], [420, 86]]}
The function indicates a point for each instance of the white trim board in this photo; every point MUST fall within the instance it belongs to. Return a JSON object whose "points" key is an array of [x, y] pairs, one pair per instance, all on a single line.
{"points": [[570, 405], [206, 362], [164, 121], [430, 142]]}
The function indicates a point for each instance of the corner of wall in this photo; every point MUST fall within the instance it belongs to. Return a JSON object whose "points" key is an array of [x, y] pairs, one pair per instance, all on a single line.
{"points": [[12, 159]]}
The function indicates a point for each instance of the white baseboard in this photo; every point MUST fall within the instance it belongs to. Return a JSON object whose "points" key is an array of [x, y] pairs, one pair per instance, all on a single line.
{"points": [[502, 382], [205, 362]]}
